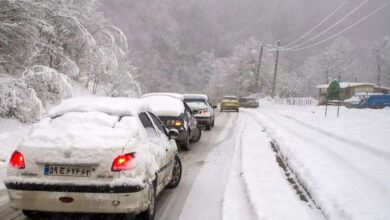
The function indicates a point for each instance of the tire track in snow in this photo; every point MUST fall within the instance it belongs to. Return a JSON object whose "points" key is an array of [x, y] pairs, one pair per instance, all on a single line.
{"points": [[339, 156], [362, 146], [237, 204], [355, 178]]}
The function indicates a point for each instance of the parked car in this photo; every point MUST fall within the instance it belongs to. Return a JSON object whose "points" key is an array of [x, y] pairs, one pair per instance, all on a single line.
{"points": [[94, 155], [175, 113], [230, 103], [205, 111], [248, 102], [377, 101]]}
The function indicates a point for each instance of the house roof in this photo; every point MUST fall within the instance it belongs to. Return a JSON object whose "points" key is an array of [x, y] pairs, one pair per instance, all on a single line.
{"points": [[344, 85]]}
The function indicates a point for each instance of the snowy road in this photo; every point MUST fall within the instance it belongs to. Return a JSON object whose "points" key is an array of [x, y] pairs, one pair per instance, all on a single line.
{"points": [[231, 174]]}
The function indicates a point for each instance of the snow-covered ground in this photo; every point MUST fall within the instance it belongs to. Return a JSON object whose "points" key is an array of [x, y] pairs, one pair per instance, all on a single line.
{"points": [[343, 162]]}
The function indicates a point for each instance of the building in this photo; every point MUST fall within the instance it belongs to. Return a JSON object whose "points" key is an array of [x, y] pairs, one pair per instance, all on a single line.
{"points": [[350, 89]]}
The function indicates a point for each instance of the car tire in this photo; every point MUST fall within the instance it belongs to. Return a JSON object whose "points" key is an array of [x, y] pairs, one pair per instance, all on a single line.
{"points": [[176, 173], [150, 212], [208, 127], [212, 123], [197, 135], [379, 106], [238, 110], [185, 145], [33, 214]]}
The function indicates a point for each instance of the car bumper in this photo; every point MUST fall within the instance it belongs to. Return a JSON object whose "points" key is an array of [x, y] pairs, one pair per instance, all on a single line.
{"points": [[229, 107], [203, 120], [86, 199]]}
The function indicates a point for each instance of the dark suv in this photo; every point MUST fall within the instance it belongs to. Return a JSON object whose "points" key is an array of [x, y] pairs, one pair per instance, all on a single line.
{"points": [[175, 114]]}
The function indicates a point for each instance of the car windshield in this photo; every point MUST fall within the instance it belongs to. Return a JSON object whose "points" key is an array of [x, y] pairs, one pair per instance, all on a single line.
{"points": [[230, 98], [195, 105], [248, 99]]}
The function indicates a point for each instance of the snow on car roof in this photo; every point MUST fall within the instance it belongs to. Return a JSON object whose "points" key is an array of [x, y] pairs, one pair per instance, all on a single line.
{"points": [[83, 130], [195, 96], [174, 95], [108, 105], [230, 96], [163, 105]]}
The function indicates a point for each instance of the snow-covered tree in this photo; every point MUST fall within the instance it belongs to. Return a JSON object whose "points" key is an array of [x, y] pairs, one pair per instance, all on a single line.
{"points": [[381, 55]]}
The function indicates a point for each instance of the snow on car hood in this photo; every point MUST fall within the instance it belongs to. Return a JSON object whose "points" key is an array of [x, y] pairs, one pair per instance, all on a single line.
{"points": [[165, 105], [82, 130]]}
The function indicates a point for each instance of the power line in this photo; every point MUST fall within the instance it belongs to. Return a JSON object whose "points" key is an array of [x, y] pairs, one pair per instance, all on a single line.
{"points": [[329, 28], [344, 30], [318, 25]]}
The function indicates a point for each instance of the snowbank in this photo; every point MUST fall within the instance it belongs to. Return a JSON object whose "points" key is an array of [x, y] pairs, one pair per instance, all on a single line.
{"points": [[343, 162], [165, 105], [49, 85], [19, 101]]}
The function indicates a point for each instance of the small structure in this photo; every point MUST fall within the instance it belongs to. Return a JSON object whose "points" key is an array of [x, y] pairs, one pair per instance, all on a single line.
{"points": [[347, 90]]}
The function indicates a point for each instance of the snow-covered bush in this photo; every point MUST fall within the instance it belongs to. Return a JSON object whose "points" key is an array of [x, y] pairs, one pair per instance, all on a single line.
{"points": [[50, 86], [19, 101]]}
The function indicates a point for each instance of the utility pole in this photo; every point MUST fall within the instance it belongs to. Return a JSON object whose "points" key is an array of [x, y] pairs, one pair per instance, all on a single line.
{"points": [[379, 73], [275, 72], [257, 83]]}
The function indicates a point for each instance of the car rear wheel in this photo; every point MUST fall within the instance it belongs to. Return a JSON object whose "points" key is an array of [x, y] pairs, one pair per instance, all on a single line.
{"points": [[208, 127], [212, 123], [176, 173], [379, 106], [197, 135], [33, 214], [185, 145], [150, 212]]}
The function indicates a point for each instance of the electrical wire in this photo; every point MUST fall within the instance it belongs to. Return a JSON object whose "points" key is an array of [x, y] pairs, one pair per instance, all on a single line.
{"points": [[318, 25], [344, 30], [329, 28]]}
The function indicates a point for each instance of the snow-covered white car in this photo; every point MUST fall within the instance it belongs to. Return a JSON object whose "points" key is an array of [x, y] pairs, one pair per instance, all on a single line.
{"points": [[94, 155], [200, 104]]}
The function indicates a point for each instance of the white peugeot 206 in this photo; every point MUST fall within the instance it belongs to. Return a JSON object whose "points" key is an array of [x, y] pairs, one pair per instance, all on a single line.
{"points": [[94, 155]]}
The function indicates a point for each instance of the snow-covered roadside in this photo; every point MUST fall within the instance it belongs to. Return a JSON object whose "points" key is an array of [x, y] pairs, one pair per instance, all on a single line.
{"points": [[347, 180], [366, 128], [270, 194]]}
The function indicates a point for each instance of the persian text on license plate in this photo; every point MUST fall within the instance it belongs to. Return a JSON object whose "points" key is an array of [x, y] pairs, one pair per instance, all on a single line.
{"points": [[59, 170]]}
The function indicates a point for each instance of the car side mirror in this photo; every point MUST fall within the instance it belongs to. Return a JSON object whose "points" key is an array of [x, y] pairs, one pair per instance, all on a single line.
{"points": [[214, 106], [173, 134], [194, 112]]}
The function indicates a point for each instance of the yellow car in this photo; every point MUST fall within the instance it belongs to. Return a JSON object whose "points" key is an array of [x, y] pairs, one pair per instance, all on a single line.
{"points": [[230, 103]]}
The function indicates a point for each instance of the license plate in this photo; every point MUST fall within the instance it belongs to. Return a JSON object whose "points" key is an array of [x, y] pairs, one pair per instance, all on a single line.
{"points": [[60, 170]]}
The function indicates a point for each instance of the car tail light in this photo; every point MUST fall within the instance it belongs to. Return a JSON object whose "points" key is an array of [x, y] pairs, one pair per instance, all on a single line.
{"points": [[17, 160], [123, 162]]}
